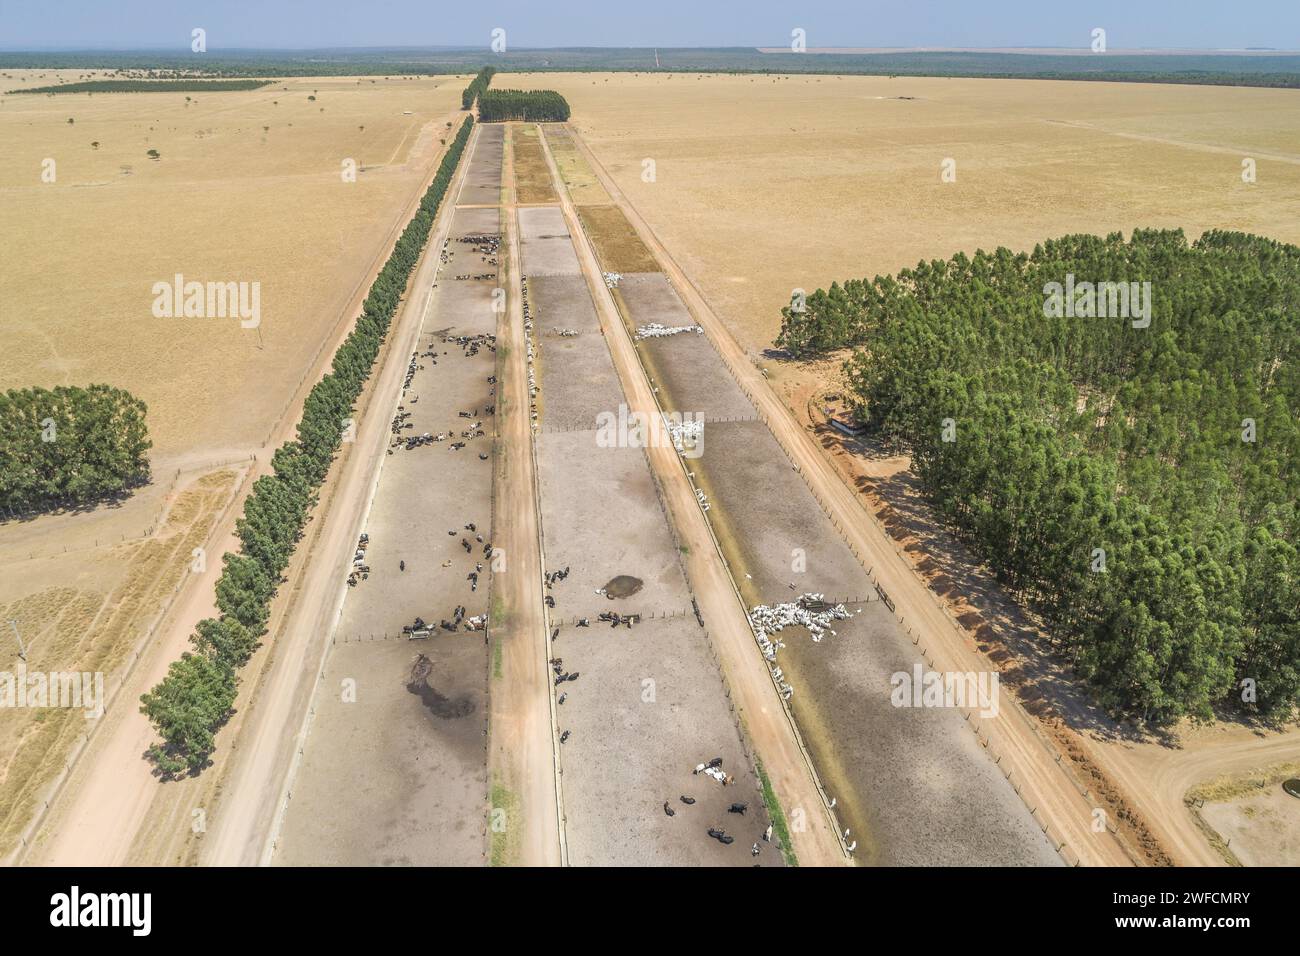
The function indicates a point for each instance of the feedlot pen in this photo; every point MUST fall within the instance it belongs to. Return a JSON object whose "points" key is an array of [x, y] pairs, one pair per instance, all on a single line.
{"points": [[912, 785], [649, 703], [394, 771]]}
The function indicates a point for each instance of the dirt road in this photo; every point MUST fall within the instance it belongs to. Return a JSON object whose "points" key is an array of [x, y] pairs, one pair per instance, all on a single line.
{"points": [[521, 753], [1157, 777], [755, 697], [1053, 797], [110, 810]]}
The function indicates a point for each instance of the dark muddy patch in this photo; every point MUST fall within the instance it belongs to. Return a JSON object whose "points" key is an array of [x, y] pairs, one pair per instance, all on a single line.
{"points": [[622, 586], [439, 704]]}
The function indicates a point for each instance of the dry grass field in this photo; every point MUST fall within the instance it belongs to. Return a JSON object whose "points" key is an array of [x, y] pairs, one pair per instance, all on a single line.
{"points": [[87, 612], [584, 188], [248, 187], [764, 184]]}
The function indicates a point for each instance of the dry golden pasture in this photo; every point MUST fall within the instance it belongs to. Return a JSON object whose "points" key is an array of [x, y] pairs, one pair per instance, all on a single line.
{"points": [[86, 612], [248, 187], [764, 184]]}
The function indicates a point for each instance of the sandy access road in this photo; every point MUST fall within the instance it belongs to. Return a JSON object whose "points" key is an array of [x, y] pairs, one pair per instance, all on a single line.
{"points": [[1156, 778], [756, 699], [113, 795], [1053, 797], [521, 753]]}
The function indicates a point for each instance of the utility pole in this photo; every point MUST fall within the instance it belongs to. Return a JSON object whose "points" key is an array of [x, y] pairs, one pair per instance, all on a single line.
{"points": [[22, 651]]}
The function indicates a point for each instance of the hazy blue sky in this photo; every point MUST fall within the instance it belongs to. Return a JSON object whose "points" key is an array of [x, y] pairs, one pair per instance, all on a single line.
{"points": [[285, 24]]}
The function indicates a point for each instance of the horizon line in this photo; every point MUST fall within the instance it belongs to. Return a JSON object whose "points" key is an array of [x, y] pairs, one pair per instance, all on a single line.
{"points": [[769, 50]]}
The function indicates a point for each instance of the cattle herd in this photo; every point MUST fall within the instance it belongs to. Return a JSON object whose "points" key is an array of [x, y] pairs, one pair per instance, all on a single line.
{"points": [[685, 436], [528, 337], [713, 769], [419, 628], [810, 610], [657, 331], [470, 345], [360, 570]]}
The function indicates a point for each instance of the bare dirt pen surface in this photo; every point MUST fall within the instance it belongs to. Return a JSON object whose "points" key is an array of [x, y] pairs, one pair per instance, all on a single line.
{"points": [[1262, 829], [390, 780], [695, 380], [603, 520], [578, 381], [545, 244], [649, 703], [483, 178], [914, 784], [399, 775]]}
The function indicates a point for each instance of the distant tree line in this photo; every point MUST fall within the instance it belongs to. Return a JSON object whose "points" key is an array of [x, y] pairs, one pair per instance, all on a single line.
{"points": [[541, 106], [149, 86], [195, 698], [70, 446], [476, 87], [1137, 485], [1267, 68]]}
